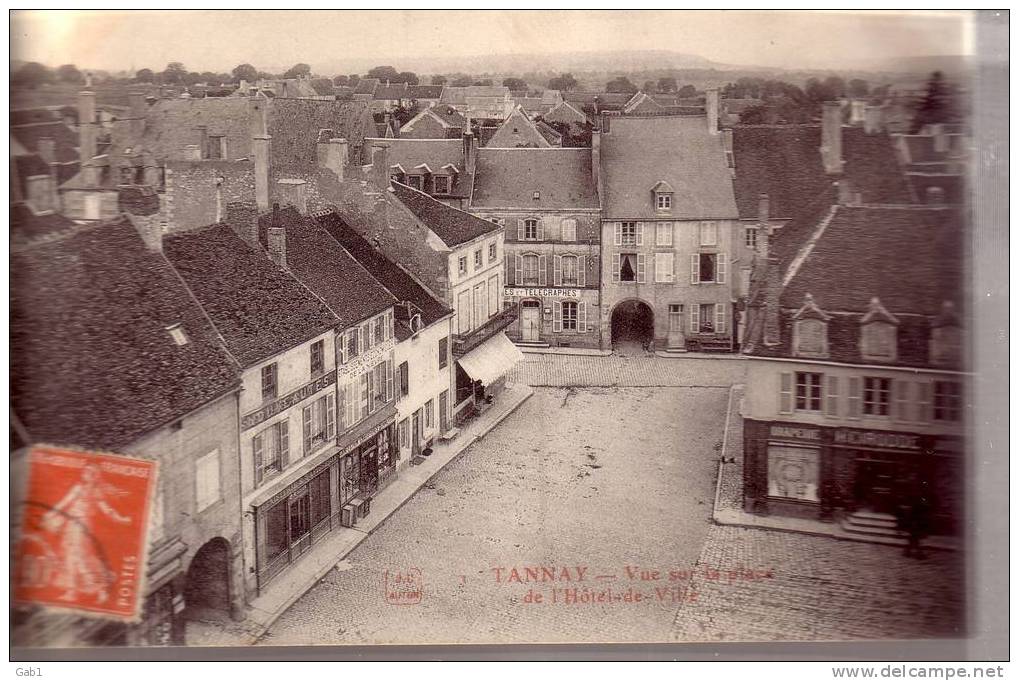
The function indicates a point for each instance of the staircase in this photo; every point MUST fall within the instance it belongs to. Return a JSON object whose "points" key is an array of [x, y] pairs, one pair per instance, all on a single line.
{"points": [[880, 528]]}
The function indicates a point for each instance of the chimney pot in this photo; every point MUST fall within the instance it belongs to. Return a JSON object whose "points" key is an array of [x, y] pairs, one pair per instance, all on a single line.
{"points": [[292, 192], [380, 165], [332, 155]]}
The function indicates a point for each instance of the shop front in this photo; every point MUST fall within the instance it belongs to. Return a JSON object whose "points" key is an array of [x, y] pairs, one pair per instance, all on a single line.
{"points": [[481, 374], [825, 472], [559, 317], [365, 469]]}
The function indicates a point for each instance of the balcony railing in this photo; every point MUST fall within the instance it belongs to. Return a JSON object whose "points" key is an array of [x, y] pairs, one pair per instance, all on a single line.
{"points": [[464, 343]]}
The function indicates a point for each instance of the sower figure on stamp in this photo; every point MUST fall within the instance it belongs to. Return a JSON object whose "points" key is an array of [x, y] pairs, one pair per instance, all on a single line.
{"points": [[83, 567]]}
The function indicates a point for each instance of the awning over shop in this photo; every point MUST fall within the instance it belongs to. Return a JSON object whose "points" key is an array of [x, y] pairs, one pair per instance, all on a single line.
{"points": [[492, 359]]}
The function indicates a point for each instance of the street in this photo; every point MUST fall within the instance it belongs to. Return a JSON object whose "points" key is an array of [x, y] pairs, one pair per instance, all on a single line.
{"points": [[586, 517]]}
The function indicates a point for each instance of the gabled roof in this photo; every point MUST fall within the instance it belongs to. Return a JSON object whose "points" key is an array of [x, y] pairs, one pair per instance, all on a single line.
{"points": [[391, 91], [453, 226], [508, 178], [424, 91], [65, 140], [321, 264], [260, 310], [642, 103], [638, 152], [517, 131], [662, 187], [564, 112], [401, 285], [27, 226], [410, 153], [606, 100], [95, 365], [550, 134]]}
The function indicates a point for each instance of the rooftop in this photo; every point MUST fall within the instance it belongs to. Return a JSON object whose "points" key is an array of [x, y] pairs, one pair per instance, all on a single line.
{"points": [[96, 365], [409, 153], [453, 226], [508, 178]]}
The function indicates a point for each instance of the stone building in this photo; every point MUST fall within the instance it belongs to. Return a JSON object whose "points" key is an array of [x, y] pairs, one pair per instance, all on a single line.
{"points": [[547, 199], [857, 388]]}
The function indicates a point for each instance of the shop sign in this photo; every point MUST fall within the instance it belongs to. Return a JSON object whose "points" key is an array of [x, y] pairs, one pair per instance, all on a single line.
{"points": [[287, 401], [542, 292], [366, 360], [793, 433], [793, 473], [876, 438]]}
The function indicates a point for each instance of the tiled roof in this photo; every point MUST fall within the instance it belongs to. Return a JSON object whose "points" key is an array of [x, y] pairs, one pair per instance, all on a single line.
{"points": [[409, 153], [294, 125], [550, 134], [65, 140], [26, 226], [41, 115], [508, 178], [953, 186], [328, 270], [912, 258], [96, 366], [323, 86], [397, 281], [517, 131], [172, 124], [642, 103], [448, 115], [453, 226], [259, 309], [639, 152], [366, 86], [391, 91], [26, 166], [424, 91], [453, 95], [785, 162], [564, 112], [606, 100]]}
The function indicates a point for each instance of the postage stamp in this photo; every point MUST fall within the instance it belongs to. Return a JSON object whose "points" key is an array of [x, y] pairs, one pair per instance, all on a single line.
{"points": [[84, 532]]}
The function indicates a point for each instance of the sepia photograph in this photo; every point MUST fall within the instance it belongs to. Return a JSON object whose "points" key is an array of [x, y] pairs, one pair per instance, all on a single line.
{"points": [[379, 328]]}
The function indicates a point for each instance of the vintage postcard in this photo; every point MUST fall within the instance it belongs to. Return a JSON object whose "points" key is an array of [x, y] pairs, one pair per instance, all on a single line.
{"points": [[501, 327]]}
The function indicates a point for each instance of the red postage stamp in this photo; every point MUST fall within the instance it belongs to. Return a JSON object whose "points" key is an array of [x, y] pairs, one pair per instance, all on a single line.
{"points": [[84, 532]]}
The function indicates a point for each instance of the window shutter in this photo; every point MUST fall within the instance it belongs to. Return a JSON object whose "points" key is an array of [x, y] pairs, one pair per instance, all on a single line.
{"points": [[342, 338], [541, 229], [518, 276], [557, 316], [901, 391], [353, 405], [581, 271], [720, 270], [542, 274], [306, 413], [569, 229], [256, 448], [854, 397], [520, 230], [923, 403], [616, 264], [720, 318], [389, 381], [832, 404], [330, 416], [695, 274], [785, 393], [581, 317], [284, 427], [557, 270], [693, 319], [618, 227], [640, 233], [641, 267]]}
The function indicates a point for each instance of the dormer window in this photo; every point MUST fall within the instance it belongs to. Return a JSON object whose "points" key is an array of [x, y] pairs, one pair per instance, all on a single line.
{"points": [[810, 330], [415, 181], [878, 333], [441, 184], [663, 201], [176, 332], [945, 345], [662, 193]]}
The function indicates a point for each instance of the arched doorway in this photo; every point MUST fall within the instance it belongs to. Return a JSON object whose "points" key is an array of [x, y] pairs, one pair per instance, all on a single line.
{"points": [[633, 326], [207, 592]]}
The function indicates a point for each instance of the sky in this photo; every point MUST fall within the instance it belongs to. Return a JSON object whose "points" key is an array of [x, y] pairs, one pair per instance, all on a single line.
{"points": [[218, 40]]}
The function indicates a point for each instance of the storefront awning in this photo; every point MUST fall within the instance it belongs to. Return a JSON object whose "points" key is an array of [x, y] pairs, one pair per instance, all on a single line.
{"points": [[492, 359]]}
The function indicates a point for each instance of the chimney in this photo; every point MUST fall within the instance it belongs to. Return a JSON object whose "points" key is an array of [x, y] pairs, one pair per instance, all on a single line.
{"points": [[595, 102], [86, 125], [257, 116], [380, 165], [857, 111], [149, 229], [293, 192], [596, 159], [831, 138], [203, 141], [711, 108], [260, 154], [763, 226], [242, 218], [47, 149], [136, 100], [470, 151], [332, 154], [277, 239], [192, 152], [873, 119]]}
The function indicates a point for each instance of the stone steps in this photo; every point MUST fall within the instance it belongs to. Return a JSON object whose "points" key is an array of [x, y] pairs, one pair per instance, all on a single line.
{"points": [[878, 527]]}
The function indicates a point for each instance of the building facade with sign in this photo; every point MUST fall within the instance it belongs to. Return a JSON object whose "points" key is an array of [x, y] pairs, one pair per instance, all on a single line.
{"points": [[668, 218], [857, 389], [547, 200]]}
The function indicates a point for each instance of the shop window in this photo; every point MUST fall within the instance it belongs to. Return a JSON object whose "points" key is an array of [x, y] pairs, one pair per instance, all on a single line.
{"points": [[269, 387], [317, 358], [947, 401], [350, 477], [808, 391], [320, 498], [319, 420], [271, 449], [793, 473], [876, 396], [277, 538]]}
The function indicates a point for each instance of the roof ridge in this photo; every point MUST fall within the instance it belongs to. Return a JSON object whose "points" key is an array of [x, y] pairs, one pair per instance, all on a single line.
{"points": [[808, 248]]}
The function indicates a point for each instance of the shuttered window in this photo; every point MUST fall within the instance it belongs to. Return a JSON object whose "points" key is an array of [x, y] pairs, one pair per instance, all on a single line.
{"points": [[569, 229], [832, 400], [785, 393], [664, 268], [641, 268], [271, 450], [855, 397]]}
